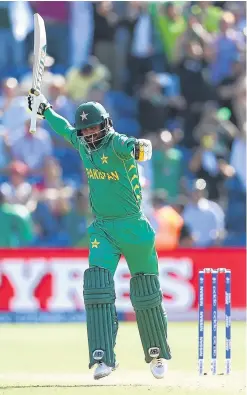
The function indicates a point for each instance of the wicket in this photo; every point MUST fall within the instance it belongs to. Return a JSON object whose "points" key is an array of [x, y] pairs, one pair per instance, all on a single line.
{"points": [[214, 319]]}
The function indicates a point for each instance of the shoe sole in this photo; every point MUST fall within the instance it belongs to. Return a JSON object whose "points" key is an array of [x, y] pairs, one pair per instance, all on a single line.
{"points": [[101, 376], [158, 378]]}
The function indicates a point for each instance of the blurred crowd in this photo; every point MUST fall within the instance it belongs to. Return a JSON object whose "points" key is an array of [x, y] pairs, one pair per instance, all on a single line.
{"points": [[173, 72]]}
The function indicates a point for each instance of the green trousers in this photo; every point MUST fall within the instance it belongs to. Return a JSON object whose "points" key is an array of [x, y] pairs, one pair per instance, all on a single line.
{"points": [[134, 238]]}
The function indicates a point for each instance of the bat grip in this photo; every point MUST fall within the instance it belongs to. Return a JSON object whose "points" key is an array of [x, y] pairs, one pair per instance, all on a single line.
{"points": [[34, 115]]}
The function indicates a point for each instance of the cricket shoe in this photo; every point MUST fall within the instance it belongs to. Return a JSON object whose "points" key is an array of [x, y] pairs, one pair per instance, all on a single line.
{"points": [[158, 368], [102, 370]]}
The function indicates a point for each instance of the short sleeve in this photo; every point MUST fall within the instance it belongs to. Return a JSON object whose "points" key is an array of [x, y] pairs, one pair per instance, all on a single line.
{"points": [[123, 146]]}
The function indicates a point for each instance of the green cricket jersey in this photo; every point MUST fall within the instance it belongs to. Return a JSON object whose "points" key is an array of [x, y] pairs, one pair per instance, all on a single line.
{"points": [[112, 172]]}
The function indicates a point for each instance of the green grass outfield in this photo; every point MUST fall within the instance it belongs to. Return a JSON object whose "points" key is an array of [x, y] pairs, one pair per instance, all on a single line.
{"points": [[47, 359]]}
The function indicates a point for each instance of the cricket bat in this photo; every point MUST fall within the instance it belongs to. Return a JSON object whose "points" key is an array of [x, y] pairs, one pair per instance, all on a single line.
{"points": [[38, 64]]}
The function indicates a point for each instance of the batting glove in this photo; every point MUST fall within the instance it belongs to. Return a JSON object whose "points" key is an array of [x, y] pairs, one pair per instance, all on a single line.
{"points": [[143, 150], [42, 102]]}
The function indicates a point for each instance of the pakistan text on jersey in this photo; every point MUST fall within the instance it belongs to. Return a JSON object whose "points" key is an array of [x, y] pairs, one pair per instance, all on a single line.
{"points": [[96, 174]]}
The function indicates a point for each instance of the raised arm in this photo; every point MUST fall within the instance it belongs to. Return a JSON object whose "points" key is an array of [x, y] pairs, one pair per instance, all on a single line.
{"points": [[59, 124]]}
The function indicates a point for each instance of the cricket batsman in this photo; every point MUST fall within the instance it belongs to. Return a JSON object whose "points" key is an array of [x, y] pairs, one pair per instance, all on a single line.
{"points": [[119, 228]]}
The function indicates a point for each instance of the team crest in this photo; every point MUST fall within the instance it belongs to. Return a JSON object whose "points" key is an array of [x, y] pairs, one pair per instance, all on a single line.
{"points": [[104, 159], [83, 116]]}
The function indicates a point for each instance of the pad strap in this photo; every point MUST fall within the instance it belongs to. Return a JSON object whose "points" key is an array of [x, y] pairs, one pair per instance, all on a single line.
{"points": [[146, 298], [102, 325]]}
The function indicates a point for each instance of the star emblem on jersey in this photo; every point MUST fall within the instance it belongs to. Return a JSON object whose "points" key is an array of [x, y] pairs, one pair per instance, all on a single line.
{"points": [[95, 243], [83, 116], [104, 159]]}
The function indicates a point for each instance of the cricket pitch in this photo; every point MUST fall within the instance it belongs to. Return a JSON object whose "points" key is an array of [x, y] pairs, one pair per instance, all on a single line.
{"points": [[47, 359]]}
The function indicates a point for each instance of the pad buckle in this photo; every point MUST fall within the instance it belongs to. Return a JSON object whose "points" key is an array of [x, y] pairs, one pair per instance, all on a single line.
{"points": [[154, 352], [98, 355]]}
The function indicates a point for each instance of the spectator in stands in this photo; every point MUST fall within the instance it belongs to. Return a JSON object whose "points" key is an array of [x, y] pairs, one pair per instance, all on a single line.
{"points": [[17, 189], [79, 81], [51, 176], [6, 37], [194, 32], [15, 23], [152, 105], [226, 47], [53, 182], [59, 222], [78, 219], [171, 231], [230, 88], [57, 97], [208, 15], [60, 212], [61, 103], [167, 166], [159, 59], [105, 24], [32, 149], [238, 157], [240, 100], [16, 227], [8, 93], [195, 88], [98, 93], [45, 225], [125, 11], [52, 208], [4, 152], [81, 25], [236, 197], [209, 163], [56, 16], [12, 108], [170, 25], [204, 218], [218, 122], [141, 46], [238, 9], [63, 150]]}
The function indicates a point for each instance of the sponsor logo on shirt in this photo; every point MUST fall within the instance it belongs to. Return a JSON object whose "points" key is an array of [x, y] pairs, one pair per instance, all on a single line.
{"points": [[96, 174]]}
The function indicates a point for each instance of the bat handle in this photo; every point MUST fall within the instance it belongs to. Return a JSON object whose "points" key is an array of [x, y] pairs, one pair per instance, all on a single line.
{"points": [[34, 116]]}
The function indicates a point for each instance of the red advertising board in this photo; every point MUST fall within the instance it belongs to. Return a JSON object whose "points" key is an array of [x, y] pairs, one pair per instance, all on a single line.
{"points": [[50, 280]]}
